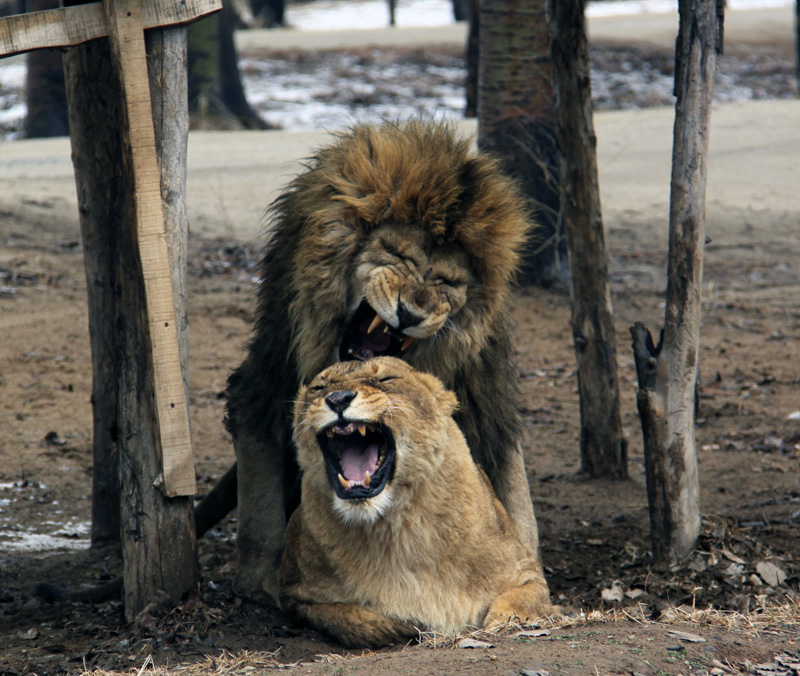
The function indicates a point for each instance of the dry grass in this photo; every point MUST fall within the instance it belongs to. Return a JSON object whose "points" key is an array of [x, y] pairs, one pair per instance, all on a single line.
{"points": [[770, 618], [783, 617]]}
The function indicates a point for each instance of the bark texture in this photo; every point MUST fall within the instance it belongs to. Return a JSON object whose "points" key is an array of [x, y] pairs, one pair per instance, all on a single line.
{"points": [[516, 121], [603, 445], [95, 117], [159, 546], [667, 372], [45, 96], [473, 59]]}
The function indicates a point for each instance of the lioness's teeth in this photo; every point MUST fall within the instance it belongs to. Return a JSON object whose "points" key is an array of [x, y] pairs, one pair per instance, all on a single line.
{"points": [[406, 343], [362, 429], [345, 483], [366, 479], [375, 323], [386, 329], [329, 432]]}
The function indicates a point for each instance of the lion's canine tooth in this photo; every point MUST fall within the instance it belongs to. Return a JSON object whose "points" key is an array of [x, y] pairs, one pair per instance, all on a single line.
{"points": [[330, 432], [375, 323], [366, 479], [406, 343], [345, 483], [362, 429]]}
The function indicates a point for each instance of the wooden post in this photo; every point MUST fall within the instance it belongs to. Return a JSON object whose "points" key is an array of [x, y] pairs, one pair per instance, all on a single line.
{"points": [[667, 372], [95, 119], [127, 218], [603, 445]]}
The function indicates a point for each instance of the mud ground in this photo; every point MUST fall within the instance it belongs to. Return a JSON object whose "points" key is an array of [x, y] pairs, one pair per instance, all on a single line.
{"points": [[733, 604]]}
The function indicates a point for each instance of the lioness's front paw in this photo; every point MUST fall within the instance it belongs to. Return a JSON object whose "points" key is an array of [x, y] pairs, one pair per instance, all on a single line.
{"points": [[517, 606]]}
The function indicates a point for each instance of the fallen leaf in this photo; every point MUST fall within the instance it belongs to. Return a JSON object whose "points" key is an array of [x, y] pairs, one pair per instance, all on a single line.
{"points": [[732, 557], [534, 672], [613, 594], [634, 593], [793, 416], [472, 643], [29, 635], [533, 633], [770, 573], [685, 636]]}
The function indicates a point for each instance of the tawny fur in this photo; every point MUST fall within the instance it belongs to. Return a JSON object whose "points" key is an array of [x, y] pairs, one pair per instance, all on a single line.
{"points": [[391, 213], [444, 556]]}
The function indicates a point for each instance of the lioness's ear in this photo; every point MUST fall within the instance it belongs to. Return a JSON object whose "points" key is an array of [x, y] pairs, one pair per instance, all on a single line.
{"points": [[449, 400], [445, 398]]}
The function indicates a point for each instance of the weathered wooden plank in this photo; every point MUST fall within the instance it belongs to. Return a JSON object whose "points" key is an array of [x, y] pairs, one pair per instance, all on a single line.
{"points": [[74, 25], [127, 38]]}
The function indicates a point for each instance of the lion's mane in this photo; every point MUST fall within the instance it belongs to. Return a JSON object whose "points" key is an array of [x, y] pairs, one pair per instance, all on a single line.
{"points": [[419, 174]]}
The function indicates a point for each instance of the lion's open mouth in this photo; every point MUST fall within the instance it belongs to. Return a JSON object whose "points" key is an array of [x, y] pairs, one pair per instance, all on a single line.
{"points": [[368, 336], [359, 457]]}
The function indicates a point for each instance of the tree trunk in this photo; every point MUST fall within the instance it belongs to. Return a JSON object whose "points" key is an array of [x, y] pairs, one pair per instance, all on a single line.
{"points": [[45, 97], [516, 120], [229, 80], [95, 118], [216, 93], [462, 10], [667, 372], [603, 444], [473, 59], [268, 13], [797, 44]]}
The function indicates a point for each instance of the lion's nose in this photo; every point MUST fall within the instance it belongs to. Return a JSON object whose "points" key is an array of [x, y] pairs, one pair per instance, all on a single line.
{"points": [[406, 318], [339, 401]]}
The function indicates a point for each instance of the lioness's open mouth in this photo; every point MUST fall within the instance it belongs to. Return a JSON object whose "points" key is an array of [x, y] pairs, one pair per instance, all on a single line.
{"points": [[359, 457], [368, 336]]}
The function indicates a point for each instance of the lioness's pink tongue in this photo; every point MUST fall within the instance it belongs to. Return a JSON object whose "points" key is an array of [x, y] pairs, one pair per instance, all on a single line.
{"points": [[356, 463]]}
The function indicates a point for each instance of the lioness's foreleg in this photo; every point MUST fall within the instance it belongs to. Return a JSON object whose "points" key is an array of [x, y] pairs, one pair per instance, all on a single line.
{"points": [[513, 490], [352, 625], [260, 536], [521, 604]]}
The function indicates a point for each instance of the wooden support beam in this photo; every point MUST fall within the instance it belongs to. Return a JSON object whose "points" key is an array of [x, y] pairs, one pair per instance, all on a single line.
{"points": [[74, 25], [127, 41]]}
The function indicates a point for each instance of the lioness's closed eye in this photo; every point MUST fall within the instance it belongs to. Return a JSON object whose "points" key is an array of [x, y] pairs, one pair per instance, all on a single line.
{"points": [[397, 529]]}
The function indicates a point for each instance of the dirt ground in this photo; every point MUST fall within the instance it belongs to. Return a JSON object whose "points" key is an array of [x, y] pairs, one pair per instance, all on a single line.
{"points": [[731, 608]]}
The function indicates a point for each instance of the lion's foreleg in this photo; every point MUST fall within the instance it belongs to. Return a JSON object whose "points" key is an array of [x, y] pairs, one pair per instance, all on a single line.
{"points": [[261, 530], [511, 486], [353, 625], [521, 604]]}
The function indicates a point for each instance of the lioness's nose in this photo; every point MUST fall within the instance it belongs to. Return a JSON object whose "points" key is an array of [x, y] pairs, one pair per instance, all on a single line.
{"points": [[406, 318], [339, 401]]}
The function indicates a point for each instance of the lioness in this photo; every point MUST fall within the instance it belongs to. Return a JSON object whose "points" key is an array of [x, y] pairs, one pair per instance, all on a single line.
{"points": [[397, 527], [396, 240]]}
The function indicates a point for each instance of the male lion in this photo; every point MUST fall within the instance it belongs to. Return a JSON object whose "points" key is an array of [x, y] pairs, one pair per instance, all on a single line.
{"points": [[397, 527], [395, 240]]}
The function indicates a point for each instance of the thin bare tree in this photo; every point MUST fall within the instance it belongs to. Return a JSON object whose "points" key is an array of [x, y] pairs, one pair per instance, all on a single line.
{"points": [[603, 447], [667, 371]]}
